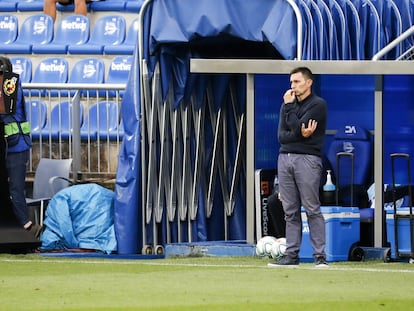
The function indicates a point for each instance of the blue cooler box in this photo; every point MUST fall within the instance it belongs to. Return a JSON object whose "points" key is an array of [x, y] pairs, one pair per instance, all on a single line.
{"points": [[404, 242], [342, 232]]}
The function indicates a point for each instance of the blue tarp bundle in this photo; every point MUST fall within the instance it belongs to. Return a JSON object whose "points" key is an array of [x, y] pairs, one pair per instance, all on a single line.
{"points": [[80, 217]]}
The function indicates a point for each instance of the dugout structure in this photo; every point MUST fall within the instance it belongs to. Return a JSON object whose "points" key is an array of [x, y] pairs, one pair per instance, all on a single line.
{"points": [[186, 169], [252, 67]]}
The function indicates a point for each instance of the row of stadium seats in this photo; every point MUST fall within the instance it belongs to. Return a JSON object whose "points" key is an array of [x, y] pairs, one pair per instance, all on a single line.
{"points": [[102, 121], [37, 5], [87, 70], [73, 35]]}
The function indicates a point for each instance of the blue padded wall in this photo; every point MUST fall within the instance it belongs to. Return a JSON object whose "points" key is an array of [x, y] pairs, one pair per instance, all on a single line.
{"points": [[269, 91], [398, 123], [350, 99]]}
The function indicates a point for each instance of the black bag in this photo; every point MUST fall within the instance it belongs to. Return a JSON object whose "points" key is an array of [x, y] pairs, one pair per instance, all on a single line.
{"points": [[276, 216], [9, 82]]}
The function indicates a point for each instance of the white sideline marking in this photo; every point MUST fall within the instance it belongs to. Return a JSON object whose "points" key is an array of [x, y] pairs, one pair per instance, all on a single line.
{"points": [[157, 262]]}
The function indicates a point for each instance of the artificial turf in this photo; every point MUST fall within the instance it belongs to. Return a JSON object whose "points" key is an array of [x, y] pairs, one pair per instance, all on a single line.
{"points": [[32, 282]]}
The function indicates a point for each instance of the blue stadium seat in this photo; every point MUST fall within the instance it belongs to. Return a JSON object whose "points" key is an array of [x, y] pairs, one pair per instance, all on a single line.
{"points": [[35, 28], [107, 30], [23, 67], [128, 46], [70, 8], [71, 30], [133, 5], [9, 28], [356, 142], [30, 5], [87, 71], [50, 70], [36, 112], [59, 125], [118, 72], [9, 6], [108, 6], [102, 121], [350, 154]]}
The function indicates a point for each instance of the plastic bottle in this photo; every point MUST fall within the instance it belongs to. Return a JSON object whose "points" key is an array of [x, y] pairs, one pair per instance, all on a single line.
{"points": [[329, 195], [329, 186]]}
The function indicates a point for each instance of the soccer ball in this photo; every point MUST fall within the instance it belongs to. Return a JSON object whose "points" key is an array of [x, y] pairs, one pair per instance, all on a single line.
{"points": [[264, 246], [278, 248]]}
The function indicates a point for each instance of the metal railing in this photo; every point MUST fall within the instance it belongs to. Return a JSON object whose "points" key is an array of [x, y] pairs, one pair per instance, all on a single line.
{"points": [[63, 126], [407, 55]]}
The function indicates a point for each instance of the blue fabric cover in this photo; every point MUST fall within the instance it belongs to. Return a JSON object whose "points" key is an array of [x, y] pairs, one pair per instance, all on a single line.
{"points": [[80, 216], [182, 21], [127, 196]]}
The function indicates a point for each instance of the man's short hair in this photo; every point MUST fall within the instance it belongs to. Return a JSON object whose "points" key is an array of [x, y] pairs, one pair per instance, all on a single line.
{"points": [[305, 71]]}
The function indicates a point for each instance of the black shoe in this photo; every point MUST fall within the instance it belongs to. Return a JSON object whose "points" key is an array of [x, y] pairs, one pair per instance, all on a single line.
{"points": [[320, 262], [285, 261]]}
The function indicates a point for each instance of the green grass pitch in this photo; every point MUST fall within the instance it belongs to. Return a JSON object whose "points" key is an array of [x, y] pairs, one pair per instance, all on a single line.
{"points": [[32, 282]]}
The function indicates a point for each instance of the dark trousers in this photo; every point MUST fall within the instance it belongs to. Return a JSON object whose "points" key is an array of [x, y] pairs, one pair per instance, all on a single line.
{"points": [[16, 170], [299, 179]]}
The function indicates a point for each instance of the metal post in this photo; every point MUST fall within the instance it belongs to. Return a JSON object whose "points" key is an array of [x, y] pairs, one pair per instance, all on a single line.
{"points": [[378, 162], [76, 141], [250, 158]]}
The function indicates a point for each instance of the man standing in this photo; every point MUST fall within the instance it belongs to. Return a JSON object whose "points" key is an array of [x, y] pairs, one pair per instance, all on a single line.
{"points": [[18, 144], [301, 132]]}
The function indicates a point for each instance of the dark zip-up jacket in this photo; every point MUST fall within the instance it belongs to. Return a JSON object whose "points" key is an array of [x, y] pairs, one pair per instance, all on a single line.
{"points": [[291, 117]]}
